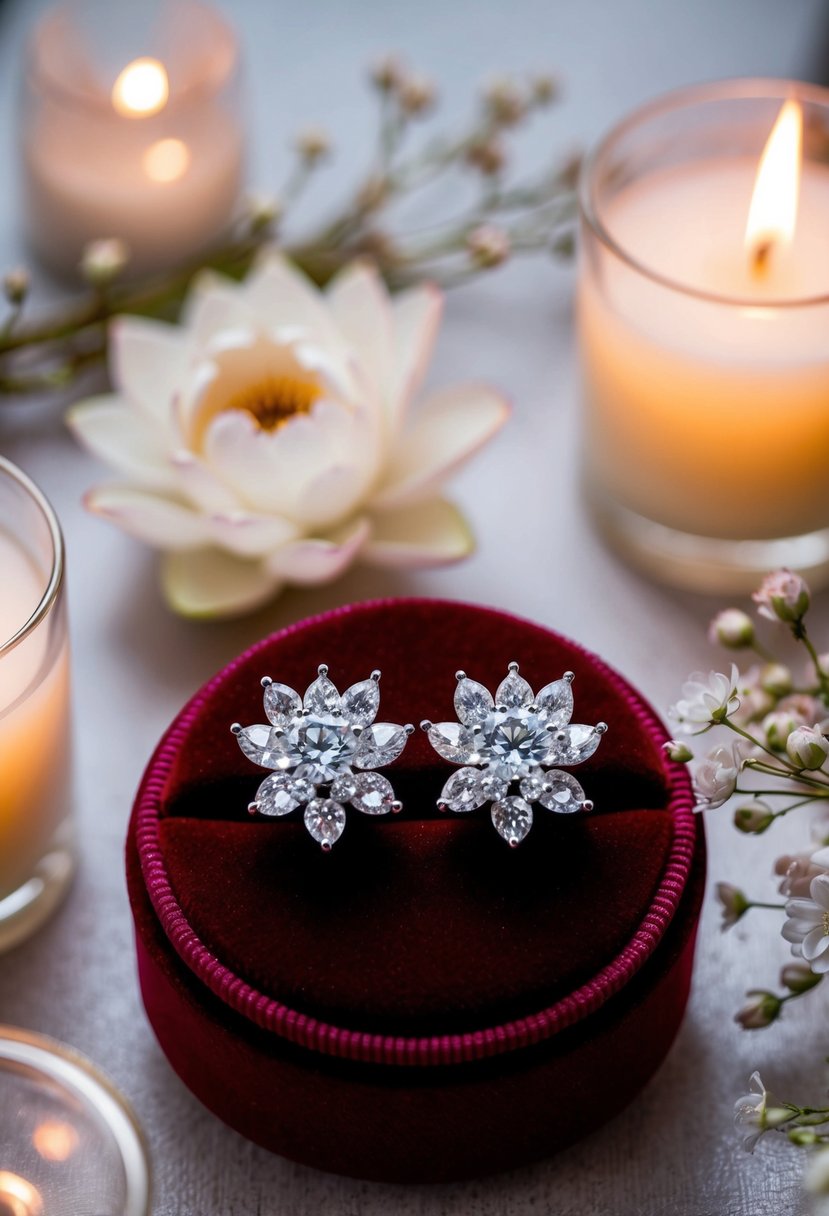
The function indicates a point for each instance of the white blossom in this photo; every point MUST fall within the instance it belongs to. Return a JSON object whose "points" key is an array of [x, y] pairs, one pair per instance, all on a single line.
{"points": [[715, 779], [807, 747], [782, 596], [807, 925], [733, 628], [750, 1112], [707, 699]]}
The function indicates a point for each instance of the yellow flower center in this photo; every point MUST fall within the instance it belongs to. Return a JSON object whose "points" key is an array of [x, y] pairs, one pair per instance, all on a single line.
{"points": [[826, 924], [273, 401]]}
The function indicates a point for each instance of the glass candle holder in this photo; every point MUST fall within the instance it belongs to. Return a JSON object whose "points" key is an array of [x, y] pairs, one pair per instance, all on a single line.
{"points": [[131, 129], [703, 339], [69, 1143], [36, 840]]}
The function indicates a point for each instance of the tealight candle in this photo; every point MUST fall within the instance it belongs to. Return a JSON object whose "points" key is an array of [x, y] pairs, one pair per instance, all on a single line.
{"points": [[36, 847], [703, 311], [144, 147]]}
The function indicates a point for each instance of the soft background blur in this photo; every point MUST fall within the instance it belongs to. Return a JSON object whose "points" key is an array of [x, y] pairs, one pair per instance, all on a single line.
{"points": [[675, 1151]]}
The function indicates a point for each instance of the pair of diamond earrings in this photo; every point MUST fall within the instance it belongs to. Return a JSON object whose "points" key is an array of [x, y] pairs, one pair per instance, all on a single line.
{"points": [[324, 749]]}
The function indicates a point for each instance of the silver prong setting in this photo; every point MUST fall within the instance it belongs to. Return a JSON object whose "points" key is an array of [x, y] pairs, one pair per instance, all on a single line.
{"points": [[236, 728], [253, 808], [601, 728], [513, 667], [396, 807], [375, 675], [409, 728], [322, 670], [460, 676], [587, 805], [266, 681], [426, 725], [569, 676]]}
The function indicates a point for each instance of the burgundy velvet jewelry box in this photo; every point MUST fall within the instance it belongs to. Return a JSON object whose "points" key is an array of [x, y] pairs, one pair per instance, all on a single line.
{"points": [[422, 1003]]}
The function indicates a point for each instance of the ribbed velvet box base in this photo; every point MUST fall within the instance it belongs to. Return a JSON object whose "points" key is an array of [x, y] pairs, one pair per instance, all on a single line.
{"points": [[423, 1003]]}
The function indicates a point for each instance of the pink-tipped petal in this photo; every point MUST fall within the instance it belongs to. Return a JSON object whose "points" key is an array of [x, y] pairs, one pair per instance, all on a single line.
{"points": [[251, 535], [124, 439], [156, 520], [445, 432], [416, 317], [210, 583], [315, 560], [433, 533]]}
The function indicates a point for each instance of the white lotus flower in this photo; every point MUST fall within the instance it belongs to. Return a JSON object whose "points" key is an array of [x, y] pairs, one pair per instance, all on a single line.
{"points": [[268, 439]]}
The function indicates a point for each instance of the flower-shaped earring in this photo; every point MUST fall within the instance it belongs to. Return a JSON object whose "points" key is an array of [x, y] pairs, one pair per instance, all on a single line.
{"points": [[314, 744], [513, 737]]}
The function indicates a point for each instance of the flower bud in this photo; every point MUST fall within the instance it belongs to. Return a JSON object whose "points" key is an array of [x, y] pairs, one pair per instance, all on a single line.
{"points": [[487, 155], [733, 902], [488, 246], [783, 596], [807, 747], [732, 628], [103, 260], [545, 89], [387, 73], [802, 1136], [753, 817], [16, 285], [798, 977], [313, 145], [763, 1009], [505, 103], [678, 751], [776, 679], [262, 209], [778, 725], [417, 94]]}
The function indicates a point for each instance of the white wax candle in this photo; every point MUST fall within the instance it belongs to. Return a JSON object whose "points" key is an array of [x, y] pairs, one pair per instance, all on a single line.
{"points": [[167, 197], [34, 722], [709, 412]]}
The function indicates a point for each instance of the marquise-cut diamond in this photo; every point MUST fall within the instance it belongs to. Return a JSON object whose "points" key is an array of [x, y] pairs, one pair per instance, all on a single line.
{"points": [[513, 692], [374, 794], [380, 744], [276, 796], [464, 790], [454, 742], [325, 820], [265, 747], [564, 795], [578, 744], [513, 818], [472, 701], [321, 697], [361, 702], [555, 701], [281, 704]]}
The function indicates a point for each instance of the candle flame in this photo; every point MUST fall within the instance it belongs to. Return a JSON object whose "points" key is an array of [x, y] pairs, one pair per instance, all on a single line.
{"points": [[772, 216], [19, 1197], [141, 89], [166, 160]]}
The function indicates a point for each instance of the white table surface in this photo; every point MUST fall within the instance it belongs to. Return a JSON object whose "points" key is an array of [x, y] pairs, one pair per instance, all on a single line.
{"points": [[675, 1150]]}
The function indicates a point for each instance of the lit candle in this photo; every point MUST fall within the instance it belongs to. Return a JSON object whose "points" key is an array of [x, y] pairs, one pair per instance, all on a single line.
{"points": [[150, 151], [704, 325], [36, 852]]}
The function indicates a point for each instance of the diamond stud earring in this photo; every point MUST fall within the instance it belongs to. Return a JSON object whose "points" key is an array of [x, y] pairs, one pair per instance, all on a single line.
{"points": [[513, 737], [315, 744]]}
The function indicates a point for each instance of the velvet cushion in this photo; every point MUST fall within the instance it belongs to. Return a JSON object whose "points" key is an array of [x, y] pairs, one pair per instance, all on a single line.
{"points": [[417, 925]]}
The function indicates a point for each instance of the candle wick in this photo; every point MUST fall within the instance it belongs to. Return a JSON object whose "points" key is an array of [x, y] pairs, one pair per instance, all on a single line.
{"points": [[760, 256]]}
